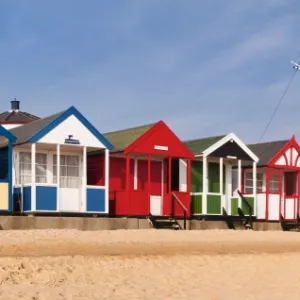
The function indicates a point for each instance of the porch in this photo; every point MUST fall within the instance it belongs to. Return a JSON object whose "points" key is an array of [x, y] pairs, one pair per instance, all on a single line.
{"points": [[151, 184], [52, 178], [220, 189]]}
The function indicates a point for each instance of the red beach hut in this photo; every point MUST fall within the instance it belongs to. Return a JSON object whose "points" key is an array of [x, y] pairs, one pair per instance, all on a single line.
{"points": [[149, 172]]}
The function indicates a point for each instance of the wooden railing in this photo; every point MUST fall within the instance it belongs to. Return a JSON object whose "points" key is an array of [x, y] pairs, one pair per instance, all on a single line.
{"points": [[182, 206], [249, 207]]}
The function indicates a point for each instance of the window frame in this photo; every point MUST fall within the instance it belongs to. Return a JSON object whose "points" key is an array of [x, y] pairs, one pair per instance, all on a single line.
{"points": [[260, 182], [66, 178]]}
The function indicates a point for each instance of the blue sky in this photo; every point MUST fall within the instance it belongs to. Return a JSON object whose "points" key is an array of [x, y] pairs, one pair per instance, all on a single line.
{"points": [[204, 67]]}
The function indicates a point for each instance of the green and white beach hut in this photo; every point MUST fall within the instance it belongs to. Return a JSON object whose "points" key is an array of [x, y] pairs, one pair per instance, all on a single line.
{"points": [[217, 175]]}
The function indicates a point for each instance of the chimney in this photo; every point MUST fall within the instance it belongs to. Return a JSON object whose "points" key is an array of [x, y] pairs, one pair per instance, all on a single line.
{"points": [[15, 104]]}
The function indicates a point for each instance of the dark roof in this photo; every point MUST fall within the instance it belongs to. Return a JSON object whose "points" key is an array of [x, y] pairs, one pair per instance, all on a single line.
{"points": [[25, 132], [123, 138], [200, 145], [266, 151], [14, 116]]}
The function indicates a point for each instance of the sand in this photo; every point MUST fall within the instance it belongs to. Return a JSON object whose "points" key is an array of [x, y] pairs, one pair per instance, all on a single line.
{"points": [[149, 264]]}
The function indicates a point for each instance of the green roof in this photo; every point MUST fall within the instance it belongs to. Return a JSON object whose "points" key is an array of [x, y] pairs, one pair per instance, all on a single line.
{"points": [[123, 138], [200, 145]]}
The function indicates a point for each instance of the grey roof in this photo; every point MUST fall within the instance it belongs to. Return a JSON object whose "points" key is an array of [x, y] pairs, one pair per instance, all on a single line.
{"points": [[199, 145], [24, 132], [266, 151]]}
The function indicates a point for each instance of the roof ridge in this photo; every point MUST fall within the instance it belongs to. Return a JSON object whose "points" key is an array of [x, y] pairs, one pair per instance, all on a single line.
{"points": [[269, 142], [130, 128], [205, 138]]}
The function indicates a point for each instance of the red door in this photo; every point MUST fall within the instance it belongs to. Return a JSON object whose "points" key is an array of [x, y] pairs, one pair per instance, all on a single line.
{"points": [[289, 206]]}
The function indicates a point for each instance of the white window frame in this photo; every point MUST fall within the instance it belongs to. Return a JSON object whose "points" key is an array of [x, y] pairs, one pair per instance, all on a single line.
{"points": [[260, 182], [66, 181], [21, 176], [41, 165], [272, 181]]}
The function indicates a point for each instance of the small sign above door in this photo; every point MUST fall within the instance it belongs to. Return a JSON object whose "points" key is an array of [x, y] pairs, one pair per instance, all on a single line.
{"points": [[71, 140], [164, 148]]}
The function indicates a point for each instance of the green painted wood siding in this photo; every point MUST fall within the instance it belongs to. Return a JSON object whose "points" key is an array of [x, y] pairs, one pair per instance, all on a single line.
{"points": [[196, 204], [245, 207], [213, 204], [214, 178], [234, 206], [196, 178]]}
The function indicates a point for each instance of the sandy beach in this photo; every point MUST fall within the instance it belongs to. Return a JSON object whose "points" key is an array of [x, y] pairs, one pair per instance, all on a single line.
{"points": [[147, 264]]}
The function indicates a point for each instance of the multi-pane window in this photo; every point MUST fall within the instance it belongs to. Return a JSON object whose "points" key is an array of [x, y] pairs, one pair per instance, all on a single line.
{"points": [[41, 168], [249, 182], [69, 171], [25, 168], [274, 184]]}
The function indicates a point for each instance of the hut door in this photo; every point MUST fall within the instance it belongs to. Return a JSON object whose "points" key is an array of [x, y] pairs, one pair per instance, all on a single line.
{"points": [[156, 188], [69, 185], [290, 196]]}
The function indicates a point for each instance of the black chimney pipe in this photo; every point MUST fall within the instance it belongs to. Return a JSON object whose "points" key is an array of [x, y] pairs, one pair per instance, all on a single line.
{"points": [[15, 104]]}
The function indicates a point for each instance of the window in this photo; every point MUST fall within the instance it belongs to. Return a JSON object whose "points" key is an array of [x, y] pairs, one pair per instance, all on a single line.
{"points": [[41, 168], [249, 182], [25, 168], [69, 171], [274, 184]]}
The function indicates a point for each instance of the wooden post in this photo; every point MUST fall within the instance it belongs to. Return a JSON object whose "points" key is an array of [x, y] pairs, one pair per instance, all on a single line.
{"points": [[240, 181], [267, 192], [106, 182], [33, 184], [170, 184], [205, 186], [281, 200], [149, 183], [223, 198], [84, 181], [57, 176], [128, 207], [189, 172], [254, 187]]}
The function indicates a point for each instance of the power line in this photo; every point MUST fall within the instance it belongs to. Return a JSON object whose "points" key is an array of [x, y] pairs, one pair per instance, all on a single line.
{"points": [[280, 100]]}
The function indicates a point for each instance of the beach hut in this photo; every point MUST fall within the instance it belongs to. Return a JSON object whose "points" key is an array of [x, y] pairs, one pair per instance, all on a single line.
{"points": [[6, 141], [149, 172], [277, 183], [50, 163], [214, 180]]}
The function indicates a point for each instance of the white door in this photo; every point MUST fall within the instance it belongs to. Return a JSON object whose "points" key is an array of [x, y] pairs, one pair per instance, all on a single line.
{"points": [[70, 184], [156, 205]]}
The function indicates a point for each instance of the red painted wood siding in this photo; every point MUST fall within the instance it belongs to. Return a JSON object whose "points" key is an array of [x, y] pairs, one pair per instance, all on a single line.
{"points": [[155, 181], [160, 135]]}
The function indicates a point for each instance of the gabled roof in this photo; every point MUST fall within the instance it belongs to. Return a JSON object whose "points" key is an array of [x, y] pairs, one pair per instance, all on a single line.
{"points": [[199, 145], [214, 145], [121, 139], [34, 131], [266, 151], [25, 132]]}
